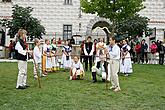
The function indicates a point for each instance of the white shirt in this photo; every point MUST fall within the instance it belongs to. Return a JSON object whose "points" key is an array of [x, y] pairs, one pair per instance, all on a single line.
{"points": [[37, 54], [77, 65], [114, 52], [85, 51], [20, 49]]}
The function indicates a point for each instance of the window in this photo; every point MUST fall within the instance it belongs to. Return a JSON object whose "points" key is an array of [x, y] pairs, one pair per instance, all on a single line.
{"points": [[67, 32], [68, 2], [6, 0]]}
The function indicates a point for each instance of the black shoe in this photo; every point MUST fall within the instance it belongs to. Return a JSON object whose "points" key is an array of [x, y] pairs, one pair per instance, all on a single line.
{"points": [[21, 87], [93, 81], [103, 80], [27, 86]]}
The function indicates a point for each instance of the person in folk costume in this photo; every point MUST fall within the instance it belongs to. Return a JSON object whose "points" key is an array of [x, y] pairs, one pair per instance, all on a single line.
{"points": [[114, 62], [66, 56], [153, 48], [100, 47], [55, 65], [47, 55], [126, 64], [37, 55], [101, 68], [88, 51], [76, 70], [21, 55]]}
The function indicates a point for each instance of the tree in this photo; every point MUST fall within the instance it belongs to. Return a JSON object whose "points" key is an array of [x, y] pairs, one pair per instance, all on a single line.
{"points": [[132, 26], [22, 18], [114, 10]]}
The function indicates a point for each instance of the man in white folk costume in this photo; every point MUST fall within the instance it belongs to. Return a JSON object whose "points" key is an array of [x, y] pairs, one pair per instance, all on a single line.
{"points": [[125, 63], [77, 70], [37, 56], [114, 61]]}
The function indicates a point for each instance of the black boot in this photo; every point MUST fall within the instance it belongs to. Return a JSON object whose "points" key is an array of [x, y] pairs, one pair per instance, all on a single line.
{"points": [[94, 77]]}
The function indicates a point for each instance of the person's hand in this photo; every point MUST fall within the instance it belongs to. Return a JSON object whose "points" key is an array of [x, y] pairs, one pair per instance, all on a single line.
{"points": [[29, 51], [90, 54]]}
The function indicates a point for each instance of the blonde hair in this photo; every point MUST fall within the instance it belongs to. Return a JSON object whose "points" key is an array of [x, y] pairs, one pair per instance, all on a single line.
{"points": [[21, 32], [76, 56], [36, 40]]}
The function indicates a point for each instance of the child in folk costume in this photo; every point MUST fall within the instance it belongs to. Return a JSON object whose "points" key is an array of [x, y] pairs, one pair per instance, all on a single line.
{"points": [[100, 49], [37, 53], [55, 65], [126, 64], [66, 56], [47, 55], [76, 71], [102, 69], [21, 54]]}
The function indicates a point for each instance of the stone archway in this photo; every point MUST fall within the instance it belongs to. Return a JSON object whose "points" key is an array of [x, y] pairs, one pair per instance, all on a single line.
{"points": [[98, 22]]}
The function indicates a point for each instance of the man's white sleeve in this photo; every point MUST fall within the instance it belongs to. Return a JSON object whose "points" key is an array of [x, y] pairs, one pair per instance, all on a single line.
{"points": [[20, 49], [85, 51]]}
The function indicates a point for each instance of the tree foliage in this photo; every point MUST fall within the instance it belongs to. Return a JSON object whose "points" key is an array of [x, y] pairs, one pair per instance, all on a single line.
{"points": [[22, 18], [132, 26], [116, 11]]}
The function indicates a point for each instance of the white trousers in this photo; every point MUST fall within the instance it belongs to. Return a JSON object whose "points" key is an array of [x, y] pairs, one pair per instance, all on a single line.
{"points": [[114, 69], [103, 73], [22, 75], [38, 66]]}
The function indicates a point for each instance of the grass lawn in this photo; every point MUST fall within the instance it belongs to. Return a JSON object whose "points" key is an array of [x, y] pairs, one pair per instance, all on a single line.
{"points": [[144, 90]]}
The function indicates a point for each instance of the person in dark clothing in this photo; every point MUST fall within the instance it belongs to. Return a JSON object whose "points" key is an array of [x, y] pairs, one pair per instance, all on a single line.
{"points": [[11, 49], [82, 52], [161, 50], [132, 50], [94, 53], [72, 41], [88, 51], [144, 51]]}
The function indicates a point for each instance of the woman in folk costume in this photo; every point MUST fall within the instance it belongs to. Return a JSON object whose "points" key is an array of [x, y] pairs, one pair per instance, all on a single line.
{"points": [[66, 56], [126, 64], [47, 56], [100, 47], [77, 70], [55, 64]]}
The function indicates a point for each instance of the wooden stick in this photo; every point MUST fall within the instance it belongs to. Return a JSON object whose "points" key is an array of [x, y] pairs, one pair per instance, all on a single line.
{"points": [[106, 82]]}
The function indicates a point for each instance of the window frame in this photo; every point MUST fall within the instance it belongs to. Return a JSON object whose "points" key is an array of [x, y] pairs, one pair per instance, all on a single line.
{"points": [[68, 2], [67, 33]]}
